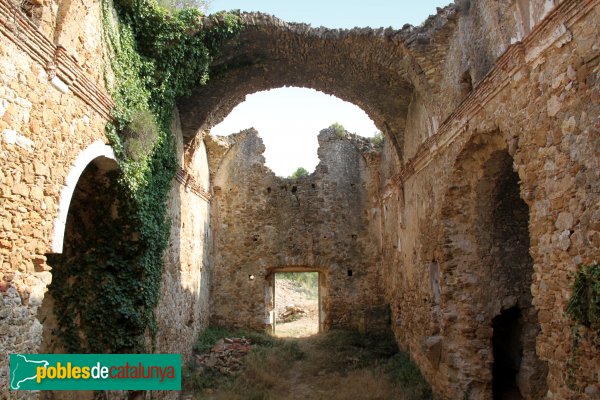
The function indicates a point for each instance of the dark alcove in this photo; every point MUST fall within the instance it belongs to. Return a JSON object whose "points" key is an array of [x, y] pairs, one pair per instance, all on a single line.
{"points": [[508, 352]]}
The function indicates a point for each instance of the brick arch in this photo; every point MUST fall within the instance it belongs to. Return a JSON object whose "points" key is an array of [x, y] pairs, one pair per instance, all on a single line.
{"points": [[486, 268], [373, 69], [103, 156]]}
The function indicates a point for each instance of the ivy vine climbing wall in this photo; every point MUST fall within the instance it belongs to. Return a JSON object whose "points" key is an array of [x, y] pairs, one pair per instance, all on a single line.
{"points": [[111, 283]]}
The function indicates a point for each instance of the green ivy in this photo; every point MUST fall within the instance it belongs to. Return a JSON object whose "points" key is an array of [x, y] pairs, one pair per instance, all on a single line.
{"points": [[584, 305], [99, 296], [584, 309], [109, 291]]}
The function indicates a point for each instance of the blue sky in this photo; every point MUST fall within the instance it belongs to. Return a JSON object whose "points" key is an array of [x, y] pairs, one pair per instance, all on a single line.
{"points": [[289, 119], [339, 13]]}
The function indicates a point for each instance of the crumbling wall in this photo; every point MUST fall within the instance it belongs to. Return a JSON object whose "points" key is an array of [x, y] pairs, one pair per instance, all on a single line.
{"points": [[539, 105], [262, 223], [475, 79], [455, 49], [78, 28]]}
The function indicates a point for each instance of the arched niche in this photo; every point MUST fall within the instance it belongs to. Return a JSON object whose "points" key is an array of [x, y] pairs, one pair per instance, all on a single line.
{"points": [[488, 319]]}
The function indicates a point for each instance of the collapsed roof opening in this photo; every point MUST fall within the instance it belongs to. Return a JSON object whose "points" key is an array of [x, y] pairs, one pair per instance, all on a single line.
{"points": [[289, 119]]}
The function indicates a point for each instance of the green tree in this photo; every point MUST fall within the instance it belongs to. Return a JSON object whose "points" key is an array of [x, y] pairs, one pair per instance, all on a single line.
{"points": [[338, 129], [299, 173], [378, 139], [181, 4]]}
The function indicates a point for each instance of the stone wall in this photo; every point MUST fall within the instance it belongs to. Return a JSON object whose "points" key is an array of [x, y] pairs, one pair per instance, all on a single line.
{"points": [[42, 132], [183, 306], [53, 112], [537, 108], [324, 222], [456, 48]]}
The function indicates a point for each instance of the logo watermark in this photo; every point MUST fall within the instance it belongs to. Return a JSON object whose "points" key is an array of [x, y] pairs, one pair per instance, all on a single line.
{"points": [[95, 372]]}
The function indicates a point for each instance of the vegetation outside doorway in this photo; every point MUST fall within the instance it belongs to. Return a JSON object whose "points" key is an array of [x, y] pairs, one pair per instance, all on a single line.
{"points": [[297, 304]]}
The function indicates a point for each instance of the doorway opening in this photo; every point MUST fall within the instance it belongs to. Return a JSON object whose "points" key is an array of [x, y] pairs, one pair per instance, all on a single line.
{"points": [[86, 230], [297, 304], [508, 353], [517, 371], [503, 267]]}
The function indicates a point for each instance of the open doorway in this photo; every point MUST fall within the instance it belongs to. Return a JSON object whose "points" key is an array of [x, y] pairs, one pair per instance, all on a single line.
{"points": [[297, 304], [508, 353]]}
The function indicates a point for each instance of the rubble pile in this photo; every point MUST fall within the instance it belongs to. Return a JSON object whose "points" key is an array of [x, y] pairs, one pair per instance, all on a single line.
{"points": [[225, 356], [291, 313]]}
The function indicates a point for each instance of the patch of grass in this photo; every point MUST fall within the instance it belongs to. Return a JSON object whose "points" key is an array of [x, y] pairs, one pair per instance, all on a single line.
{"points": [[369, 384], [210, 336], [196, 379], [336, 365], [264, 373], [404, 372], [269, 358], [353, 352]]}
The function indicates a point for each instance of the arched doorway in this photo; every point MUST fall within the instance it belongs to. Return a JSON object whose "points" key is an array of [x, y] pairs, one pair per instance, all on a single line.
{"points": [[83, 230], [88, 206], [487, 275], [503, 240]]}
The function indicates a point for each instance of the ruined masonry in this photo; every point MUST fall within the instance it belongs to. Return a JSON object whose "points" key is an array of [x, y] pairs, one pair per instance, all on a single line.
{"points": [[460, 233]]}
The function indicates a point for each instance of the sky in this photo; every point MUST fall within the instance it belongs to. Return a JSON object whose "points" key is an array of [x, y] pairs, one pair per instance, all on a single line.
{"points": [[289, 119]]}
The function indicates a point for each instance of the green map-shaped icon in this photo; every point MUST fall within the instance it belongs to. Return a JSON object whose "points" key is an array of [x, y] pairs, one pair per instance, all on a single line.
{"points": [[23, 369]]}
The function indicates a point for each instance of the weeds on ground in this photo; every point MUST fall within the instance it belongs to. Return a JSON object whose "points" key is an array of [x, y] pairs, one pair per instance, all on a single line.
{"points": [[196, 379], [210, 336], [335, 365], [405, 373]]}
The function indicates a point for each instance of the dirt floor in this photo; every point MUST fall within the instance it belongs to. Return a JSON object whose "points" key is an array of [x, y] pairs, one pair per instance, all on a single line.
{"points": [[335, 365], [299, 362], [291, 296]]}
